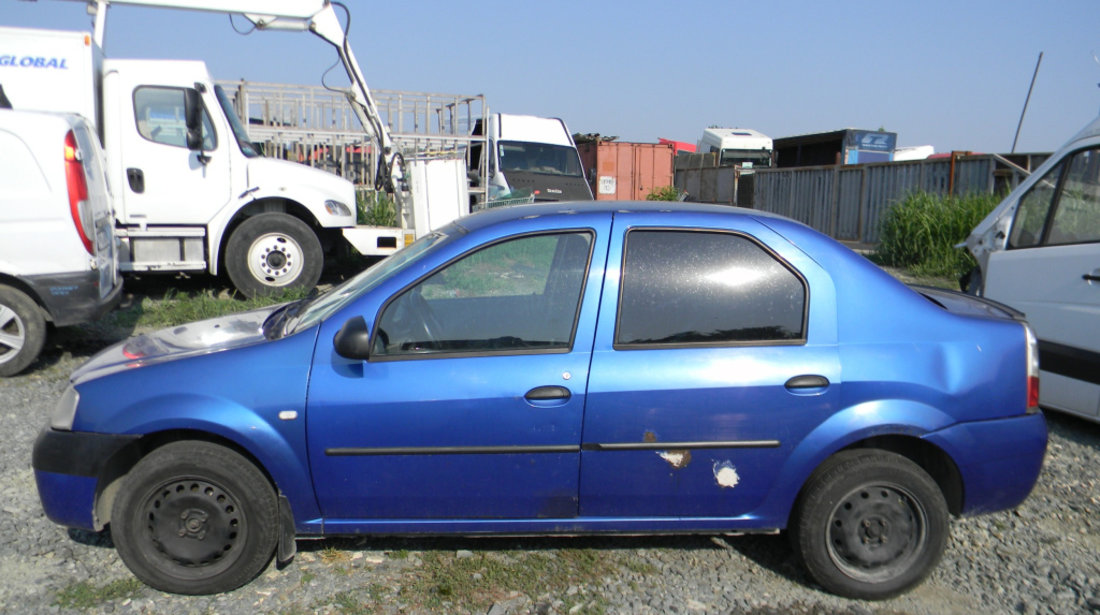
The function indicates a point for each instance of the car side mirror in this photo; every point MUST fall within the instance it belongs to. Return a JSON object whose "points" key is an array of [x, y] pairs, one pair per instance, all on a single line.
{"points": [[352, 341], [192, 111]]}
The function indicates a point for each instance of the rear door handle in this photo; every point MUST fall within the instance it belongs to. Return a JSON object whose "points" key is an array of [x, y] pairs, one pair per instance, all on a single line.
{"points": [[1091, 277], [807, 381], [548, 393]]}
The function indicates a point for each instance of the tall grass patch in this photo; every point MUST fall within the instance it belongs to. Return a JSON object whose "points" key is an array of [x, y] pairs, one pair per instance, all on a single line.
{"points": [[920, 232]]}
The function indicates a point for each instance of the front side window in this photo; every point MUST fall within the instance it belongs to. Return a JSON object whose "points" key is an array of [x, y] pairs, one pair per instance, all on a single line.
{"points": [[161, 117], [701, 287], [1063, 207], [519, 295]]}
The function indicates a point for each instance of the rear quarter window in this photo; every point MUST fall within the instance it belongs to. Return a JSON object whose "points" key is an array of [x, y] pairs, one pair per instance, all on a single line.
{"points": [[706, 287]]}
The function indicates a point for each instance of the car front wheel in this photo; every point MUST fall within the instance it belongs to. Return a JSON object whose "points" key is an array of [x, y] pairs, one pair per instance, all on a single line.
{"points": [[195, 518], [870, 524]]}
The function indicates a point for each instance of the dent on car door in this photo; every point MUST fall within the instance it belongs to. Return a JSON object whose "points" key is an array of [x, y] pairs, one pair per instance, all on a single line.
{"points": [[470, 405], [705, 380], [1050, 270]]}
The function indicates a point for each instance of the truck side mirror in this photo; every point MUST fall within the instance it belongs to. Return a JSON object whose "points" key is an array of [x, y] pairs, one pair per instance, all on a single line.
{"points": [[352, 341], [192, 110]]}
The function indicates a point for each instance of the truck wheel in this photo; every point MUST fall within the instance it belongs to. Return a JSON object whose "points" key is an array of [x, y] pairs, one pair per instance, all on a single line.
{"points": [[22, 331], [195, 518], [273, 251], [869, 524]]}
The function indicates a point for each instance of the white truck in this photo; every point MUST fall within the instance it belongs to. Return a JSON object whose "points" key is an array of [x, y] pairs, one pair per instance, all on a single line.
{"points": [[528, 156], [193, 195], [751, 149]]}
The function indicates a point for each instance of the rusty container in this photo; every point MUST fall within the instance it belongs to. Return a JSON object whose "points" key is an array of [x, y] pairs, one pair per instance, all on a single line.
{"points": [[619, 170]]}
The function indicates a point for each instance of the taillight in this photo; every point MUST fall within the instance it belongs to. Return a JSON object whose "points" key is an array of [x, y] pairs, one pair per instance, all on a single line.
{"points": [[78, 192], [1032, 371]]}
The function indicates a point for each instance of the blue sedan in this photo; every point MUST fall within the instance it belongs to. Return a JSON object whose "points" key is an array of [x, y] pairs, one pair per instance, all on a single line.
{"points": [[567, 368]]}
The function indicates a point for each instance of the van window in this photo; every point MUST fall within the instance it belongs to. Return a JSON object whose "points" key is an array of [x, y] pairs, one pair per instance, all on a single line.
{"points": [[1063, 207], [159, 113]]}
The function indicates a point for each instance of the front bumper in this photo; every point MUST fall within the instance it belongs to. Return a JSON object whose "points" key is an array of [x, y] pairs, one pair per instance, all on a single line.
{"points": [[67, 468], [999, 460]]}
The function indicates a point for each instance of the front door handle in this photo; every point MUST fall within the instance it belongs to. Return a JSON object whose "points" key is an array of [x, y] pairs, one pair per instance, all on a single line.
{"points": [[136, 179], [1091, 277], [547, 393], [807, 381]]}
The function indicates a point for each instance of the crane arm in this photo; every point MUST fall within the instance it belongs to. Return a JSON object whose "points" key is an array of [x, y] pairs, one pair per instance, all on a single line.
{"points": [[316, 16]]}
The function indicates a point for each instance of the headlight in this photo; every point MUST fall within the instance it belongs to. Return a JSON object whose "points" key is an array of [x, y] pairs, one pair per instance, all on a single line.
{"points": [[336, 208], [65, 410]]}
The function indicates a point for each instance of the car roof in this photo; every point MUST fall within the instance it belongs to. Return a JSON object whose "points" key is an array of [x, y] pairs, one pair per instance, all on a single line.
{"points": [[489, 217]]}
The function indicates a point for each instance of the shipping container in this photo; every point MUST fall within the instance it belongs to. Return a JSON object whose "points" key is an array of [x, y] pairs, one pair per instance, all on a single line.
{"points": [[626, 171]]}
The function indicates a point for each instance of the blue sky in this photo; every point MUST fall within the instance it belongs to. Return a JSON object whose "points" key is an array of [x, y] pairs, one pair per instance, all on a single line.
{"points": [[953, 74]]}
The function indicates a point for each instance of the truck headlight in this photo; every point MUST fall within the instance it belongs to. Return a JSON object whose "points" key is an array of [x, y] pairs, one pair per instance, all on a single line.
{"points": [[336, 208], [65, 411]]}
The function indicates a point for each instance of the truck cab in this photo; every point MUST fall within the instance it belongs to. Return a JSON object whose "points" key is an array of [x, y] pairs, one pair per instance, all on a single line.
{"points": [[744, 147], [528, 156]]}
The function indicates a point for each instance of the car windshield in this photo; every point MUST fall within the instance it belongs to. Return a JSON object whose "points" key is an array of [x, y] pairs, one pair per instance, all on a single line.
{"points": [[239, 133], [327, 304], [539, 158]]}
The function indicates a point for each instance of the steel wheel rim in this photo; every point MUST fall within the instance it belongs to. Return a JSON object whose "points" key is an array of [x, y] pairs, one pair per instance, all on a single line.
{"points": [[876, 532], [13, 334], [276, 259], [194, 524]]}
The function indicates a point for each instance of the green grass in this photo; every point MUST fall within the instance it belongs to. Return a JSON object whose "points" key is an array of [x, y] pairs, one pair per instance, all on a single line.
{"points": [[375, 209], [177, 307], [920, 233], [85, 595]]}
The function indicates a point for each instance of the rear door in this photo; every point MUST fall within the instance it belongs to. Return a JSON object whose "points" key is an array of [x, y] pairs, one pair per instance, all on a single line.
{"points": [[101, 206], [715, 355], [1050, 270]]}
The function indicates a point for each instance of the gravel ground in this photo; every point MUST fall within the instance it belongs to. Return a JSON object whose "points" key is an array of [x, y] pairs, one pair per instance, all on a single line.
{"points": [[1040, 558]]}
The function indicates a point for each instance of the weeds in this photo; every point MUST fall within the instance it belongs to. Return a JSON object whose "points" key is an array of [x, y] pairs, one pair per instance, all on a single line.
{"points": [[664, 193], [920, 233], [84, 595], [375, 209]]}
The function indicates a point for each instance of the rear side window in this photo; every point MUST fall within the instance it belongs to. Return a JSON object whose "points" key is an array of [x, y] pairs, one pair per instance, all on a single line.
{"points": [[1063, 207], [159, 113], [702, 287]]}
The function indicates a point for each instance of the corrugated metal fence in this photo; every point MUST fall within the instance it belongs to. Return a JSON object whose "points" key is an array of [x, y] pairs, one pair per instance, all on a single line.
{"points": [[848, 202]]}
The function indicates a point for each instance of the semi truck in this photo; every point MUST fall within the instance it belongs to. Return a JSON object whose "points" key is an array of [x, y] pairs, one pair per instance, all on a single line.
{"points": [[744, 147], [192, 193]]}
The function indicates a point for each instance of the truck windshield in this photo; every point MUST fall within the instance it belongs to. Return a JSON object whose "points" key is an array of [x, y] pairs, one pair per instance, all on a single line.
{"points": [[539, 158], [753, 158], [239, 132]]}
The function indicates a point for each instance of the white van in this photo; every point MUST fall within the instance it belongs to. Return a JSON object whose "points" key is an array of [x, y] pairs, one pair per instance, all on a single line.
{"points": [[58, 261], [1039, 252]]}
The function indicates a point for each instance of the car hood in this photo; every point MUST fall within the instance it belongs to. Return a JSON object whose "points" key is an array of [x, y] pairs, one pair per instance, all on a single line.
{"points": [[196, 338]]}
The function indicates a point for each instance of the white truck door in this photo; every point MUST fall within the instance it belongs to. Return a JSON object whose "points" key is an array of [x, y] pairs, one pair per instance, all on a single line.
{"points": [[163, 182], [1051, 272]]}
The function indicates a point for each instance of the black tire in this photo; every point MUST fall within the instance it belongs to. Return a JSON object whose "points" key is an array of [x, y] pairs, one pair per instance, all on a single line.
{"points": [[870, 524], [195, 518], [22, 331], [272, 251]]}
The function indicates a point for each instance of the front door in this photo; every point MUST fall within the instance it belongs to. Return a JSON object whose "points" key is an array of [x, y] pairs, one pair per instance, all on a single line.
{"points": [[163, 182], [470, 406]]}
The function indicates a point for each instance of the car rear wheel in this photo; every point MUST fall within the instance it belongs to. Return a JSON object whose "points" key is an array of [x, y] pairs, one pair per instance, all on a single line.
{"points": [[22, 331], [870, 524], [195, 518]]}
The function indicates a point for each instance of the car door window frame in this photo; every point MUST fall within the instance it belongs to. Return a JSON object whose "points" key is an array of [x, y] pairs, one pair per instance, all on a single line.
{"points": [[452, 353], [799, 341], [209, 135]]}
